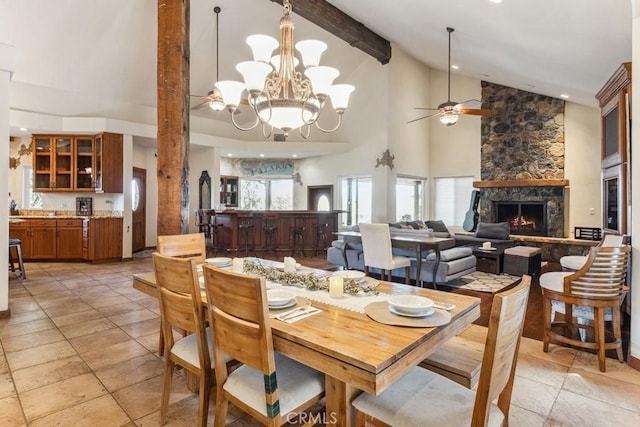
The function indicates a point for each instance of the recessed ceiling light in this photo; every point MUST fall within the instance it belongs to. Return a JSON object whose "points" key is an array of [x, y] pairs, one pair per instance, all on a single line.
{"points": [[24, 129], [295, 155], [261, 155], [455, 67], [564, 95], [230, 155], [496, 1]]}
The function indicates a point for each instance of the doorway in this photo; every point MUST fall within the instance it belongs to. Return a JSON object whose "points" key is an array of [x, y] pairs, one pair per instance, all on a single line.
{"points": [[139, 209], [320, 197]]}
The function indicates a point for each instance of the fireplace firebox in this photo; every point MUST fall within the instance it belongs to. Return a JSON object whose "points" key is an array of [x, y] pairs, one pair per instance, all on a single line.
{"points": [[527, 218]]}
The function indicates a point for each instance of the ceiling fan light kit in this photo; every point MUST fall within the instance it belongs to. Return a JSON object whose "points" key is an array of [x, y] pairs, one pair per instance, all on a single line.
{"points": [[280, 95], [450, 111]]}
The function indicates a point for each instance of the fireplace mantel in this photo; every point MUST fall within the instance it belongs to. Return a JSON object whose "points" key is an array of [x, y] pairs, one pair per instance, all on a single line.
{"points": [[502, 183]]}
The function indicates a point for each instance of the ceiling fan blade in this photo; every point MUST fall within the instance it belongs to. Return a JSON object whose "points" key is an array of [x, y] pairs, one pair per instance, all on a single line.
{"points": [[426, 108], [425, 117], [478, 112], [470, 103], [202, 104]]}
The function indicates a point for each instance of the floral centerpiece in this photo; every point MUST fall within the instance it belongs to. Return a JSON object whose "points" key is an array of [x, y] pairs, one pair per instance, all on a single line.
{"points": [[309, 281]]}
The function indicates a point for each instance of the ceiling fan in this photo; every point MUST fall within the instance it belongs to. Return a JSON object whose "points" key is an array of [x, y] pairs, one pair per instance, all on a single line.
{"points": [[450, 110], [214, 98]]}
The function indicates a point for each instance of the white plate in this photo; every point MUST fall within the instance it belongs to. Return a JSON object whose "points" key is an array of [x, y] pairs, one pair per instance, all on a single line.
{"points": [[218, 262], [287, 305], [279, 297], [350, 274], [368, 281], [410, 304], [280, 265], [426, 313]]}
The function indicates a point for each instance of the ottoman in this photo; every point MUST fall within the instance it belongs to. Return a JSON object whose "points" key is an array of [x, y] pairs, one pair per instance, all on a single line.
{"points": [[520, 260]]}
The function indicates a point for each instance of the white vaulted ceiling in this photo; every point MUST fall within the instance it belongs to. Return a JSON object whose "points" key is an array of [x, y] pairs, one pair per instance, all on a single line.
{"points": [[79, 58]]}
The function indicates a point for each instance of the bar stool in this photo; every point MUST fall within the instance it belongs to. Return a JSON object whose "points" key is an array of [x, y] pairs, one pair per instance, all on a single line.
{"points": [[203, 222], [297, 237], [245, 228], [216, 240], [17, 244], [270, 232], [320, 243]]}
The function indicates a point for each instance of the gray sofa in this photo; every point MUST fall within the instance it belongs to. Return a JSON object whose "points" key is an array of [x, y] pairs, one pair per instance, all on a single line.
{"points": [[454, 262]]}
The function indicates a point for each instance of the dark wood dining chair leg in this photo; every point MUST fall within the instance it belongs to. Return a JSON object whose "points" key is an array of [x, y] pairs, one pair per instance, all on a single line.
{"points": [[407, 278]]}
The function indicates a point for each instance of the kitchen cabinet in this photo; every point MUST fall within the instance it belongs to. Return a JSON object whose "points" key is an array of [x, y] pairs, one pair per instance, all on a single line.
{"points": [[78, 163], [229, 191], [38, 237], [615, 102], [103, 239], [69, 238], [22, 231], [53, 163]]}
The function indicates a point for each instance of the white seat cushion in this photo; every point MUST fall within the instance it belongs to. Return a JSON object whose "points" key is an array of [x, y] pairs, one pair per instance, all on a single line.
{"points": [[422, 398], [573, 262], [297, 384], [554, 281], [400, 261], [187, 349]]}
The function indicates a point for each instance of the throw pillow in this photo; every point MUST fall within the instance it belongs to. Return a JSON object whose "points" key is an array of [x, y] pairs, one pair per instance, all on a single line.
{"points": [[488, 230], [437, 226]]}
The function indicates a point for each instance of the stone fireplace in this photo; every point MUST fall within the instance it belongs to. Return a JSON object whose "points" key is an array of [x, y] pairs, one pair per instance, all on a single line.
{"points": [[522, 162]]}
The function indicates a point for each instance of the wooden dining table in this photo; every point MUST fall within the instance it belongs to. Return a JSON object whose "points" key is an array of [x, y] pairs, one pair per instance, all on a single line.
{"points": [[355, 352]]}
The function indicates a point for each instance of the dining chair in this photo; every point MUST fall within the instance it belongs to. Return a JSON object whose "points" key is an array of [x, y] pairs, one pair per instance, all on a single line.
{"points": [[181, 307], [422, 398], [376, 247], [269, 386], [183, 246], [575, 262], [594, 293]]}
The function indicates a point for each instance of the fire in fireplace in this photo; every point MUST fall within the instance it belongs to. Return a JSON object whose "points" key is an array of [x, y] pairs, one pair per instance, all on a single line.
{"points": [[523, 217]]}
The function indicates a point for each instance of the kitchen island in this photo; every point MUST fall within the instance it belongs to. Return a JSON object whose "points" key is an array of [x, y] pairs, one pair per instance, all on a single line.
{"points": [[274, 231]]}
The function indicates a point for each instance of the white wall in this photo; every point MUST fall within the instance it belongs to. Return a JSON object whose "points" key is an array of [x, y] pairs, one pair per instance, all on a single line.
{"points": [[582, 165]]}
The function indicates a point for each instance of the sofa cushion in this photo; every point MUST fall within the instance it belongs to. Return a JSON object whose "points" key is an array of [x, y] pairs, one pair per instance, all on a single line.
{"points": [[439, 228], [451, 254], [499, 230]]}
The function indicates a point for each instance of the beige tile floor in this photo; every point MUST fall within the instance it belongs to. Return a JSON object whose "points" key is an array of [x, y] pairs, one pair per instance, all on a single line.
{"points": [[80, 348]]}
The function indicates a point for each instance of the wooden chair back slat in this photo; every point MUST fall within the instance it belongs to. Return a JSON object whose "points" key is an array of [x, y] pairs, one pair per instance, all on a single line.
{"points": [[183, 245], [240, 315], [501, 350], [603, 276]]}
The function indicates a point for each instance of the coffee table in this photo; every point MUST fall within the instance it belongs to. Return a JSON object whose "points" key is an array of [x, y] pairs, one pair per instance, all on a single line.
{"points": [[489, 261]]}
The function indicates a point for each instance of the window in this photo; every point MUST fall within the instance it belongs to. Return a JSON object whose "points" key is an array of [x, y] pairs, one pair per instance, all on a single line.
{"points": [[355, 198], [452, 197], [266, 194], [409, 198], [30, 200]]}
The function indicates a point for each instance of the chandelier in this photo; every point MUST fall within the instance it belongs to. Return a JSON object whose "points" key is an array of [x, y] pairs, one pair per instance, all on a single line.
{"points": [[281, 96]]}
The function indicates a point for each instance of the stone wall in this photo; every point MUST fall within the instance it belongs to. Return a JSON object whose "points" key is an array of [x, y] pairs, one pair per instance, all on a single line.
{"points": [[524, 140]]}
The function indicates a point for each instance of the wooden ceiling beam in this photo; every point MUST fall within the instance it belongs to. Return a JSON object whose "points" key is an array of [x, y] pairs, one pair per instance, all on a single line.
{"points": [[341, 25]]}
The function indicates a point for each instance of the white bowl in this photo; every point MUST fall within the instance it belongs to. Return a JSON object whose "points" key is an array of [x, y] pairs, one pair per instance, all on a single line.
{"points": [[349, 274], [279, 297], [218, 262], [410, 304]]}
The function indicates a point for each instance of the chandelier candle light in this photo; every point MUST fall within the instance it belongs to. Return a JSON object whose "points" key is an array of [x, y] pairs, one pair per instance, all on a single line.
{"points": [[279, 94]]}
